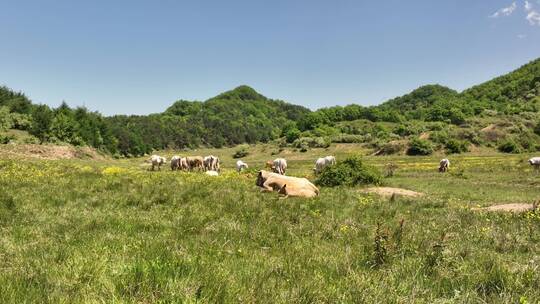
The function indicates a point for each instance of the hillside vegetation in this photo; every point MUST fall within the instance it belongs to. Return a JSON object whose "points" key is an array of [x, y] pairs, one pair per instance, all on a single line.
{"points": [[502, 113]]}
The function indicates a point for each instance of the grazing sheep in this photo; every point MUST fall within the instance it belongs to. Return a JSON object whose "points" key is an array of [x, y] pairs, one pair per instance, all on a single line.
{"points": [[240, 165], [211, 173], [535, 162], [175, 163], [195, 162], [444, 164], [323, 162], [286, 185], [279, 166], [157, 160]]}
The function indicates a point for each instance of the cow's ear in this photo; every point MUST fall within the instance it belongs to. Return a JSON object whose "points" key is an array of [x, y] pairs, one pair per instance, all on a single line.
{"points": [[284, 186]]}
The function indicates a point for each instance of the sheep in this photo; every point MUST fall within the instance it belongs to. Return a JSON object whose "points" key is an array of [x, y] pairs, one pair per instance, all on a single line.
{"points": [[240, 165]]}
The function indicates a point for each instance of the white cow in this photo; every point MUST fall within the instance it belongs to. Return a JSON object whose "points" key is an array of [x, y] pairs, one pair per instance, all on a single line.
{"points": [[183, 164], [444, 164], [280, 166], [323, 162], [331, 159], [240, 165], [157, 160], [175, 163], [211, 163], [535, 162]]}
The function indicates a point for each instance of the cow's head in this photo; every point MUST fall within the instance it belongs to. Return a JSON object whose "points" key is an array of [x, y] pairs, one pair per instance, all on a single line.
{"points": [[260, 179]]}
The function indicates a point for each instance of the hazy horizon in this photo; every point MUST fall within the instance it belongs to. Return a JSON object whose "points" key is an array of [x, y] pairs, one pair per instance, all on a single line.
{"points": [[133, 57]]}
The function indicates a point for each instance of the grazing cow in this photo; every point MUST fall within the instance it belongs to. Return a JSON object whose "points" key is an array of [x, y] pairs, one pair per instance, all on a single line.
{"points": [[269, 165], [175, 163], [323, 162], [183, 164], [211, 162], [331, 159], [535, 162], [240, 165], [157, 160], [211, 173], [286, 185], [280, 166], [195, 162], [444, 164]]}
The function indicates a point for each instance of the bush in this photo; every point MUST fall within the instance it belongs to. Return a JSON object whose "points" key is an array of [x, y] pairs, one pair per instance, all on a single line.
{"points": [[350, 172], [292, 135], [242, 152], [509, 146], [348, 138], [419, 146], [6, 138], [391, 148], [440, 137], [457, 146]]}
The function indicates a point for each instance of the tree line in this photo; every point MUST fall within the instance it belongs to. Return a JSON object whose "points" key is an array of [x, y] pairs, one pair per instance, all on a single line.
{"points": [[244, 116]]}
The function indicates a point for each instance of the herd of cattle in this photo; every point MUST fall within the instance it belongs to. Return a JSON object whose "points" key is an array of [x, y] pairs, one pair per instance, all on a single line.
{"points": [[274, 180]]}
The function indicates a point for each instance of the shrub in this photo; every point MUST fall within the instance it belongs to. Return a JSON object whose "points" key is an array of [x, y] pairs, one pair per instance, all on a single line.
{"points": [[391, 148], [457, 146], [509, 146], [537, 129], [292, 135], [440, 137], [390, 169], [350, 172], [419, 146], [6, 138], [242, 152], [348, 138]]}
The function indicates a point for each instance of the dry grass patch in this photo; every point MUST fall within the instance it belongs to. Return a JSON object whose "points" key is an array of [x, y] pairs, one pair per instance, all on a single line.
{"points": [[389, 191]]}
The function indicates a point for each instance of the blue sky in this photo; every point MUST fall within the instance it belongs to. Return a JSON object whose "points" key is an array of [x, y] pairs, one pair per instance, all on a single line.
{"points": [[137, 57]]}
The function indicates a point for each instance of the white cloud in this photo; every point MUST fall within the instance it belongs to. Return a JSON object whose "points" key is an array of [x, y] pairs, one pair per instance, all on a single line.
{"points": [[528, 6], [506, 11], [522, 36], [534, 18]]}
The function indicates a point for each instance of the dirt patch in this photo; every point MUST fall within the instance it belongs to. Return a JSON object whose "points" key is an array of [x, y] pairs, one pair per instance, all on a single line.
{"points": [[388, 191], [424, 135], [48, 152], [507, 208], [491, 127]]}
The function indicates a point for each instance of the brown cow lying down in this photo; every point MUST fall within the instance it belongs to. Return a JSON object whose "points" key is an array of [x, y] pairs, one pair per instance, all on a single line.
{"points": [[286, 185]]}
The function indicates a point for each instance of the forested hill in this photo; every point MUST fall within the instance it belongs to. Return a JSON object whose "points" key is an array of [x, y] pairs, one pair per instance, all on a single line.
{"points": [[238, 116], [521, 85], [244, 116]]}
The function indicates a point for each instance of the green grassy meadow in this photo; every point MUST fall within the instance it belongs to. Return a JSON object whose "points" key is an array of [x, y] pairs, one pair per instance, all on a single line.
{"points": [[110, 231]]}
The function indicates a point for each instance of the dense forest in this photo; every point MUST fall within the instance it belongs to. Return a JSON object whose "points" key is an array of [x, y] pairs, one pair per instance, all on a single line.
{"points": [[509, 105]]}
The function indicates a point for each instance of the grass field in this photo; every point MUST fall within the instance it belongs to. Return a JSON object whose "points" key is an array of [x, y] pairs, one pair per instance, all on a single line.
{"points": [[110, 231]]}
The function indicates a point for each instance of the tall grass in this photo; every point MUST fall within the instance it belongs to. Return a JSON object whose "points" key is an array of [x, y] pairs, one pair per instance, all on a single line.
{"points": [[75, 231]]}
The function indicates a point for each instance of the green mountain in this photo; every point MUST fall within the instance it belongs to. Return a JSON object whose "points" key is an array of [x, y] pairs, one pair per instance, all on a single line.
{"points": [[238, 116], [521, 85], [243, 115]]}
